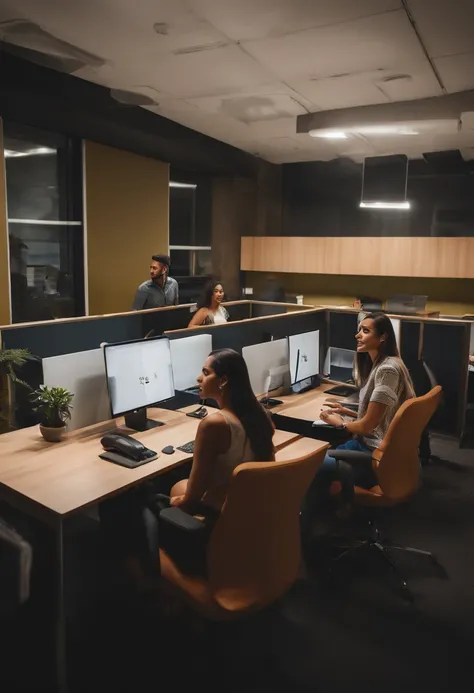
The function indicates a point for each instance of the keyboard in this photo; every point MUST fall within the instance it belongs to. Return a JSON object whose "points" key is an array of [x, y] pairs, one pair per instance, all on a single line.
{"points": [[187, 447], [341, 391]]}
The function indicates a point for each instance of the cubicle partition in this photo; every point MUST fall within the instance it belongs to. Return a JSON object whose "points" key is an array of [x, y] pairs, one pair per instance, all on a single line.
{"points": [[70, 335], [441, 344], [264, 329], [56, 338]]}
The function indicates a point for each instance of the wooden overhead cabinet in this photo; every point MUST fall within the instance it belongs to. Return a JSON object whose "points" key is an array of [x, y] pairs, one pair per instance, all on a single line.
{"points": [[384, 257]]}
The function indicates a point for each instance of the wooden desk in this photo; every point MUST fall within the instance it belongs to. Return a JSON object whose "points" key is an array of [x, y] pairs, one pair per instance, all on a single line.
{"points": [[58, 479], [305, 407], [51, 481]]}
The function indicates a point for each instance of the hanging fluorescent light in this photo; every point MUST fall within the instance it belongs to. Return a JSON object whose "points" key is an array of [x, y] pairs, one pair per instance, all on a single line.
{"points": [[175, 184], [329, 134], [385, 205]]}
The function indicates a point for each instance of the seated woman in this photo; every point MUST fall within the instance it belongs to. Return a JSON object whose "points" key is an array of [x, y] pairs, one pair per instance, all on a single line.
{"points": [[240, 431], [209, 309], [384, 384]]}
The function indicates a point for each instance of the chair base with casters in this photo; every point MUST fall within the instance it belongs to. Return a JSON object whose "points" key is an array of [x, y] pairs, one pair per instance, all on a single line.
{"points": [[375, 544], [374, 500]]}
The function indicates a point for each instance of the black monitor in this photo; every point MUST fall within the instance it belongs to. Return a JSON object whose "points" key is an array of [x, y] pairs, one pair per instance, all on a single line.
{"points": [[139, 375]]}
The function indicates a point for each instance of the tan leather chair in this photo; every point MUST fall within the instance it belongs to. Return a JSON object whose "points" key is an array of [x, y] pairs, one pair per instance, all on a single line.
{"points": [[397, 467], [253, 555]]}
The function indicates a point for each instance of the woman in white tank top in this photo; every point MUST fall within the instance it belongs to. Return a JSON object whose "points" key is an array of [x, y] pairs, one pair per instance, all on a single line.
{"points": [[240, 431], [210, 310]]}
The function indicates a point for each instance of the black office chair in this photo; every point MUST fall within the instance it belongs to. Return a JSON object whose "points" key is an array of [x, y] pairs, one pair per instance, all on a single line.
{"points": [[424, 380]]}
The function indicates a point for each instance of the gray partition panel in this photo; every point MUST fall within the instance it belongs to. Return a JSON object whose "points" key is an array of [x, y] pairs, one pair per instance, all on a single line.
{"points": [[342, 330], [241, 334], [445, 351], [55, 338]]}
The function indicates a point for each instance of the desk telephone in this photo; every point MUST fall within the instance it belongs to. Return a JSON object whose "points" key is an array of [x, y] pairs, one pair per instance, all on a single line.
{"points": [[125, 450]]}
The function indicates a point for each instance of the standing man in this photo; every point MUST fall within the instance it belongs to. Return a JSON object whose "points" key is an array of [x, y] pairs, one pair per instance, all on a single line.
{"points": [[160, 290]]}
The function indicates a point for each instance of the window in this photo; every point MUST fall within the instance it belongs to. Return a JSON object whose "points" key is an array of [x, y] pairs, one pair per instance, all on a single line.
{"points": [[190, 226], [43, 176]]}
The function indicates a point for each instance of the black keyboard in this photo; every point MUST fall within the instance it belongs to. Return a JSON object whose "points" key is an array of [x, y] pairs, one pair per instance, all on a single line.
{"points": [[341, 391], [187, 447]]}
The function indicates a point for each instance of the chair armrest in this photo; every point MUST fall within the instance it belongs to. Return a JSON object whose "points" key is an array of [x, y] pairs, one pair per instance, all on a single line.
{"points": [[351, 455], [182, 520]]}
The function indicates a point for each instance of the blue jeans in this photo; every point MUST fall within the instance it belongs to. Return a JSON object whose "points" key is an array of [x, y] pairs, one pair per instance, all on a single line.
{"points": [[349, 474]]}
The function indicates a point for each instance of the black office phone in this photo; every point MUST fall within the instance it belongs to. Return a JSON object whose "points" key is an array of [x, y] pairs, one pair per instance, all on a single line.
{"points": [[126, 451]]}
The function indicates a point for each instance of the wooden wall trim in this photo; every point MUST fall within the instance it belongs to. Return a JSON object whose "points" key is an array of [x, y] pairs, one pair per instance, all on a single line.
{"points": [[5, 303], [439, 257]]}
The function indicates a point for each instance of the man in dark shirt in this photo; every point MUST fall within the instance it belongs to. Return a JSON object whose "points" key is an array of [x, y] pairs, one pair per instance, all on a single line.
{"points": [[160, 290]]}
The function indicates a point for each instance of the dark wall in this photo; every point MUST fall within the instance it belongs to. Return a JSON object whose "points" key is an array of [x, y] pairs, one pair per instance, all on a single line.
{"points": [[322, 199], [40, 97]]}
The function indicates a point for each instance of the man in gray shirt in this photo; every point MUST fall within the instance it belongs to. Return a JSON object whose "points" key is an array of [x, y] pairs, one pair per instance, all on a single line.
{"points": [[160, 290]]}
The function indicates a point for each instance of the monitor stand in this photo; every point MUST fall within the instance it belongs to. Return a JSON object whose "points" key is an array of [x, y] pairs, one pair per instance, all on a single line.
{"points": [[137, 420], [306, 385]]}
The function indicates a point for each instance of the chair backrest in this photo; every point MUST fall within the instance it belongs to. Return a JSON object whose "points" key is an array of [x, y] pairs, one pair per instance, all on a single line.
{"points": [[254, 551], [398, 469]]}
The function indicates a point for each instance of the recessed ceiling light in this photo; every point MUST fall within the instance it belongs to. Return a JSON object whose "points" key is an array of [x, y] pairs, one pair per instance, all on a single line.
{"points": [[329, 134]]}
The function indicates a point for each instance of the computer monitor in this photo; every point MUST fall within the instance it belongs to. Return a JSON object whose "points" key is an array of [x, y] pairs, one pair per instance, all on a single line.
{"points": [[304, 357], [267, 365], [83, 374], [139, 374], [339, 364], [187, 357]]}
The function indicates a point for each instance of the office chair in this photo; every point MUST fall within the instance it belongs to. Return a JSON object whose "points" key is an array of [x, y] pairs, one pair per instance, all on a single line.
{"points": [[397, 467], [253, 555]]}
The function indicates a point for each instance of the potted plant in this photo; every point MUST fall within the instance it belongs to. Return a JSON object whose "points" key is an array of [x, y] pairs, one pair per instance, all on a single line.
{"points": [[53, 404], [9, 360]]}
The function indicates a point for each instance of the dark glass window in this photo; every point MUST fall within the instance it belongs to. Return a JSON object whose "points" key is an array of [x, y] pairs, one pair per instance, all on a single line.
{"points": [[44, 203]]}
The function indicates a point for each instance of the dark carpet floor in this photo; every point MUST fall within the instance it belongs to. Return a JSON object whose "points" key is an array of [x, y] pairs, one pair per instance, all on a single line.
{"points": [[358, 633]]}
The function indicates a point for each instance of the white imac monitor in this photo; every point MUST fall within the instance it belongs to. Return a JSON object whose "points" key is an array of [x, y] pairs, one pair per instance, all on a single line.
{"points": [[83, 374], [267, 365], [304, 356], [187, 357], [139, 375]]}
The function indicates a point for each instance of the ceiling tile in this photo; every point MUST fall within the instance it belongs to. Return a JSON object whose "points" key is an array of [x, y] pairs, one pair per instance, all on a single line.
{"points": [[411, 82], [457, 72], [252, 108], [341, 92], [445, 25], [381, 42], [105, 27], [253, 19], [227, 70]]}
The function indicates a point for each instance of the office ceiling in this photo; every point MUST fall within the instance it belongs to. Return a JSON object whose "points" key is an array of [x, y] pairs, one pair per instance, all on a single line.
{"points": [[242, 71]]}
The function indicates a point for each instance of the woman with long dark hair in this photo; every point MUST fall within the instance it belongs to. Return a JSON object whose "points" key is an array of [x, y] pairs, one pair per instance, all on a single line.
{"points": [[209, 309], [240, 431], [384, 384]]}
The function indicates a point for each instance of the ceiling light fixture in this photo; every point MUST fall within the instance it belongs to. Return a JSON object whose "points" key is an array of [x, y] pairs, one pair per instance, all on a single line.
{"points": [[175, 184], [385, 205], [329, 134], [12, 154]]}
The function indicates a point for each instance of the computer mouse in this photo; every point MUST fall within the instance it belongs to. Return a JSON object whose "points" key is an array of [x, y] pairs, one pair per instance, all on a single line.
{"points": [[168, 450]]}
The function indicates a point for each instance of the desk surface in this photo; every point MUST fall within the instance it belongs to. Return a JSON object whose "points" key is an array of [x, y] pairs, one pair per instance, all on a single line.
{"points": [[307, 406], [65, 477]]}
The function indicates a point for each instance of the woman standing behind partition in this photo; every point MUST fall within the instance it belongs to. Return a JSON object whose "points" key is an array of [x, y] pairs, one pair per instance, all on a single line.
{"points": [[209, 308]]}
